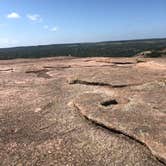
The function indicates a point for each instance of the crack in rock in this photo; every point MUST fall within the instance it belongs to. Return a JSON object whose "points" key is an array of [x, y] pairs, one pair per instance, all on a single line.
{"points": [[91, 83], [123, 63], [4, 70], [57, 67], [136, 122], [40, 73]]}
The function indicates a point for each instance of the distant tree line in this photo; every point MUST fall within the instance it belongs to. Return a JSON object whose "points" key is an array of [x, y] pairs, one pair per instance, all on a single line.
{"points": [[100, 49]]}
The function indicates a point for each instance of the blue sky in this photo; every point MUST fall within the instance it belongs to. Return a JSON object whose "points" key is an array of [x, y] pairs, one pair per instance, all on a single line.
{"points": [[38, 22]]}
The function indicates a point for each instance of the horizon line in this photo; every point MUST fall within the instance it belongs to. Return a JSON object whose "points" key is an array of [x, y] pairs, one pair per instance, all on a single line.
{"points": [[90, 42]]}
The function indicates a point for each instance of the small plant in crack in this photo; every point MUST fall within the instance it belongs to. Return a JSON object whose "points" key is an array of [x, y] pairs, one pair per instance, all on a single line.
{"points": [[109, 103]]}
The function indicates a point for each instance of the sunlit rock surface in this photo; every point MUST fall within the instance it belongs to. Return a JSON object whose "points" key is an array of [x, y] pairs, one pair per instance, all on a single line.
{"points": [[87, 111]]}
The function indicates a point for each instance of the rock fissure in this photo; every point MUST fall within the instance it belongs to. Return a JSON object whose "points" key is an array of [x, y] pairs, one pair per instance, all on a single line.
{"points": [[4, 70], [82, 82], [123, 63], [40, 73]]}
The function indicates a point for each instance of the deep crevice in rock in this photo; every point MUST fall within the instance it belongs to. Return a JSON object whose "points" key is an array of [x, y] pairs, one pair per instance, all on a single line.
{"points": [[109, 103], [96, 84]]}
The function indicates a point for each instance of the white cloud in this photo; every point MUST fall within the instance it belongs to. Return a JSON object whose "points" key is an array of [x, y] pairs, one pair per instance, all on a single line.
{"points": [[54, 29], [13, 15], [34, 17]]}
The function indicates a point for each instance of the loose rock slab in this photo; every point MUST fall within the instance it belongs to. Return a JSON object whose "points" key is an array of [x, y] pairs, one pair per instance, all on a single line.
{"points": [[132, 115]]}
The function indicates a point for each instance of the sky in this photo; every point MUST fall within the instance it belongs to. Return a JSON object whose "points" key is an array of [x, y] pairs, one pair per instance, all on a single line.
{"points": [[39, 22]]}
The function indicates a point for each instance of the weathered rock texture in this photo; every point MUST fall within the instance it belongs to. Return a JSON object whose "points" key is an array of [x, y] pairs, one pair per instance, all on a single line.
{"points": [[43, 103]]}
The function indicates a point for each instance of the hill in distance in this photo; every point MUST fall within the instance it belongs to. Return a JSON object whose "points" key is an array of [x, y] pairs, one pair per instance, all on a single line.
{"points": [[129, 48]]}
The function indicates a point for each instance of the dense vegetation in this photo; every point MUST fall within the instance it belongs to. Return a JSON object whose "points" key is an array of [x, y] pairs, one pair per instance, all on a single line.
{"points": [[107, 49]]}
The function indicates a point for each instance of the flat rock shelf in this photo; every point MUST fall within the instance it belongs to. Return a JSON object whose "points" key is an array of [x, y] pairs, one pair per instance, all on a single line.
{"points": [[83, 111]]}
